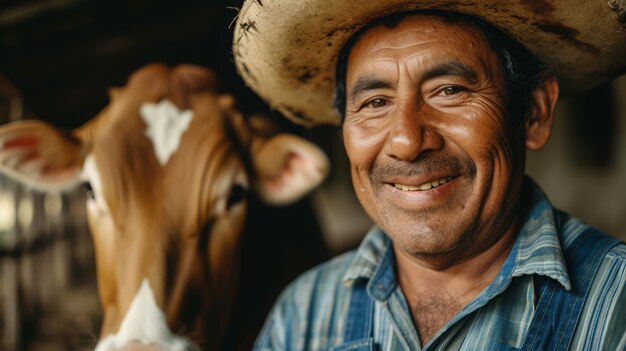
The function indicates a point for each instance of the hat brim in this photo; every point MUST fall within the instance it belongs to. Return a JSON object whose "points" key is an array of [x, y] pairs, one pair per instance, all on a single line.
{"points": [[287, 51]]}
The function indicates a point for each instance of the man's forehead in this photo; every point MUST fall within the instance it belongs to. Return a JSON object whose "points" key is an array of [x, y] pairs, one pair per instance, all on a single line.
{"points": [[424, 26], [429, 38]]}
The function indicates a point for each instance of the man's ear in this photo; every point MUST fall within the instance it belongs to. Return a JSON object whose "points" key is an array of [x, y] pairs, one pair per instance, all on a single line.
{"points": [[541, 114]]}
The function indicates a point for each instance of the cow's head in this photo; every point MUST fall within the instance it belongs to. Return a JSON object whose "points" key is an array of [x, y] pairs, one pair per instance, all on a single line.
{"points": [[168, 164]]}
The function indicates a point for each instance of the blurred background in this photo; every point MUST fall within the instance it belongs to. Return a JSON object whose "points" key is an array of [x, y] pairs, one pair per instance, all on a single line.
{"points": [[57, 59]]}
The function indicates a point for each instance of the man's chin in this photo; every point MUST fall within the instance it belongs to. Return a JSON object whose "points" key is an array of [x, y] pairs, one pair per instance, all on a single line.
{"points": [[425, 243]]}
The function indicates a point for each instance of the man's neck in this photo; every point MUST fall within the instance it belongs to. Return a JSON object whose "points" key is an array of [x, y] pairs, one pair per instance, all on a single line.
{"points": [[447, 284]]}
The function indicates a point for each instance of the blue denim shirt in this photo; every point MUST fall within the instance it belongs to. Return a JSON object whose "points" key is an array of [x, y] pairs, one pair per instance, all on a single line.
{"points": [[311, 313]]}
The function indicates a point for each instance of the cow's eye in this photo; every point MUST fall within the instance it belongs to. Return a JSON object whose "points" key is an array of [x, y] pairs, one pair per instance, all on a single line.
{"points": [[237, 194], [89, 191]]}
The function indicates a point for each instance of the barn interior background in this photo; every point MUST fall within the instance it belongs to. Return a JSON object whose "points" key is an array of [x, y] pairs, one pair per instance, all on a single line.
{"points": [[57, 58]]}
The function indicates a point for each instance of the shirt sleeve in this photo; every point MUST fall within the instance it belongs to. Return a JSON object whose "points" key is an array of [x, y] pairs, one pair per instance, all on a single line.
{"points": [[272, 336], [308, 313]]}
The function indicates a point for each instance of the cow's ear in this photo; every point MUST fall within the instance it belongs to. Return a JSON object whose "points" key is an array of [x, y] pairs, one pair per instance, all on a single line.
{"points": [[288, 167], [40, 155]]}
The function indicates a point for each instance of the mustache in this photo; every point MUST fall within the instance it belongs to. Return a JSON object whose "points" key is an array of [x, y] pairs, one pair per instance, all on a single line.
{"points": [[424, 164]]}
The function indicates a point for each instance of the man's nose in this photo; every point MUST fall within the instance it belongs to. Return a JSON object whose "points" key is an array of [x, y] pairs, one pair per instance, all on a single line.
{"points": [[413, 131]]}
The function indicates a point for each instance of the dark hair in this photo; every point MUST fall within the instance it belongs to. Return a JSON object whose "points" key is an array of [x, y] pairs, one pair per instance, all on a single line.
{"points": [[523, 71]]}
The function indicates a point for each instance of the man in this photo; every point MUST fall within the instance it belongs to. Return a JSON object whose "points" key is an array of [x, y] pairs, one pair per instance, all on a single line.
{"points": [[437, 110]]}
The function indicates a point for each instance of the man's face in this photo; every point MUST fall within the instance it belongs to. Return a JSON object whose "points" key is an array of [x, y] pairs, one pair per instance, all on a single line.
{"points": [[432, 157]]}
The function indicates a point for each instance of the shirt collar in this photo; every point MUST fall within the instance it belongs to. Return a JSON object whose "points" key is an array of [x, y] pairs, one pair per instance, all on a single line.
{"points": [[368, 256], [538, 247]]}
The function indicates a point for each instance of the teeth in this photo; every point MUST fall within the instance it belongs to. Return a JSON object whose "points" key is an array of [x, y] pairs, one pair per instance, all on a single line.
{"points": [[425, 186], [406, 187]]}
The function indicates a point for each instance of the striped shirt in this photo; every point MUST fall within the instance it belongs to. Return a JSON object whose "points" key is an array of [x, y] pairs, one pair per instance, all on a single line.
{"points": [[311, 313]]}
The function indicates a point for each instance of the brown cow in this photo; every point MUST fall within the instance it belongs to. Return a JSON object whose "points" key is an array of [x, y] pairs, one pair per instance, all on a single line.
{"points": [[168, 163]]}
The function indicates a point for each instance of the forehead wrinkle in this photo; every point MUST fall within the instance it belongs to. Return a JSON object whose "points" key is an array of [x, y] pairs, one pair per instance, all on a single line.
{"points": [[389, 50], [414, 44]]}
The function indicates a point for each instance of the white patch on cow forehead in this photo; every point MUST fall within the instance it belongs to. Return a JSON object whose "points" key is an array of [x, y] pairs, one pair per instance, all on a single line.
{"points": [[145, 323], [165, 127]]}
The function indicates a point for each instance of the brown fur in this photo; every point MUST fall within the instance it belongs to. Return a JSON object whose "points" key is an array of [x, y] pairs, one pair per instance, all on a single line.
{"points": [[169, 224]]}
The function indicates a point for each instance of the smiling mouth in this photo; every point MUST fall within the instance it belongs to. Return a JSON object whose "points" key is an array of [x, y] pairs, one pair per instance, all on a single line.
{"points": [[426, 186]]}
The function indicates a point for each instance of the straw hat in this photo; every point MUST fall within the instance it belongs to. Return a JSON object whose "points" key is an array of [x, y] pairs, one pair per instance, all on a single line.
{"points": [[286, 50]]}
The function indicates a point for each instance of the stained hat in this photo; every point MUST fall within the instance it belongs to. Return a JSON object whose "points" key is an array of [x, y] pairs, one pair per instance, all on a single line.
{"points": [[287, 50]]}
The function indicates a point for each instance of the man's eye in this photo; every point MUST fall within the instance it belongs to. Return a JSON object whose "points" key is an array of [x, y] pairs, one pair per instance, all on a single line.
{"points": [[451, 90], [376, 103]]}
